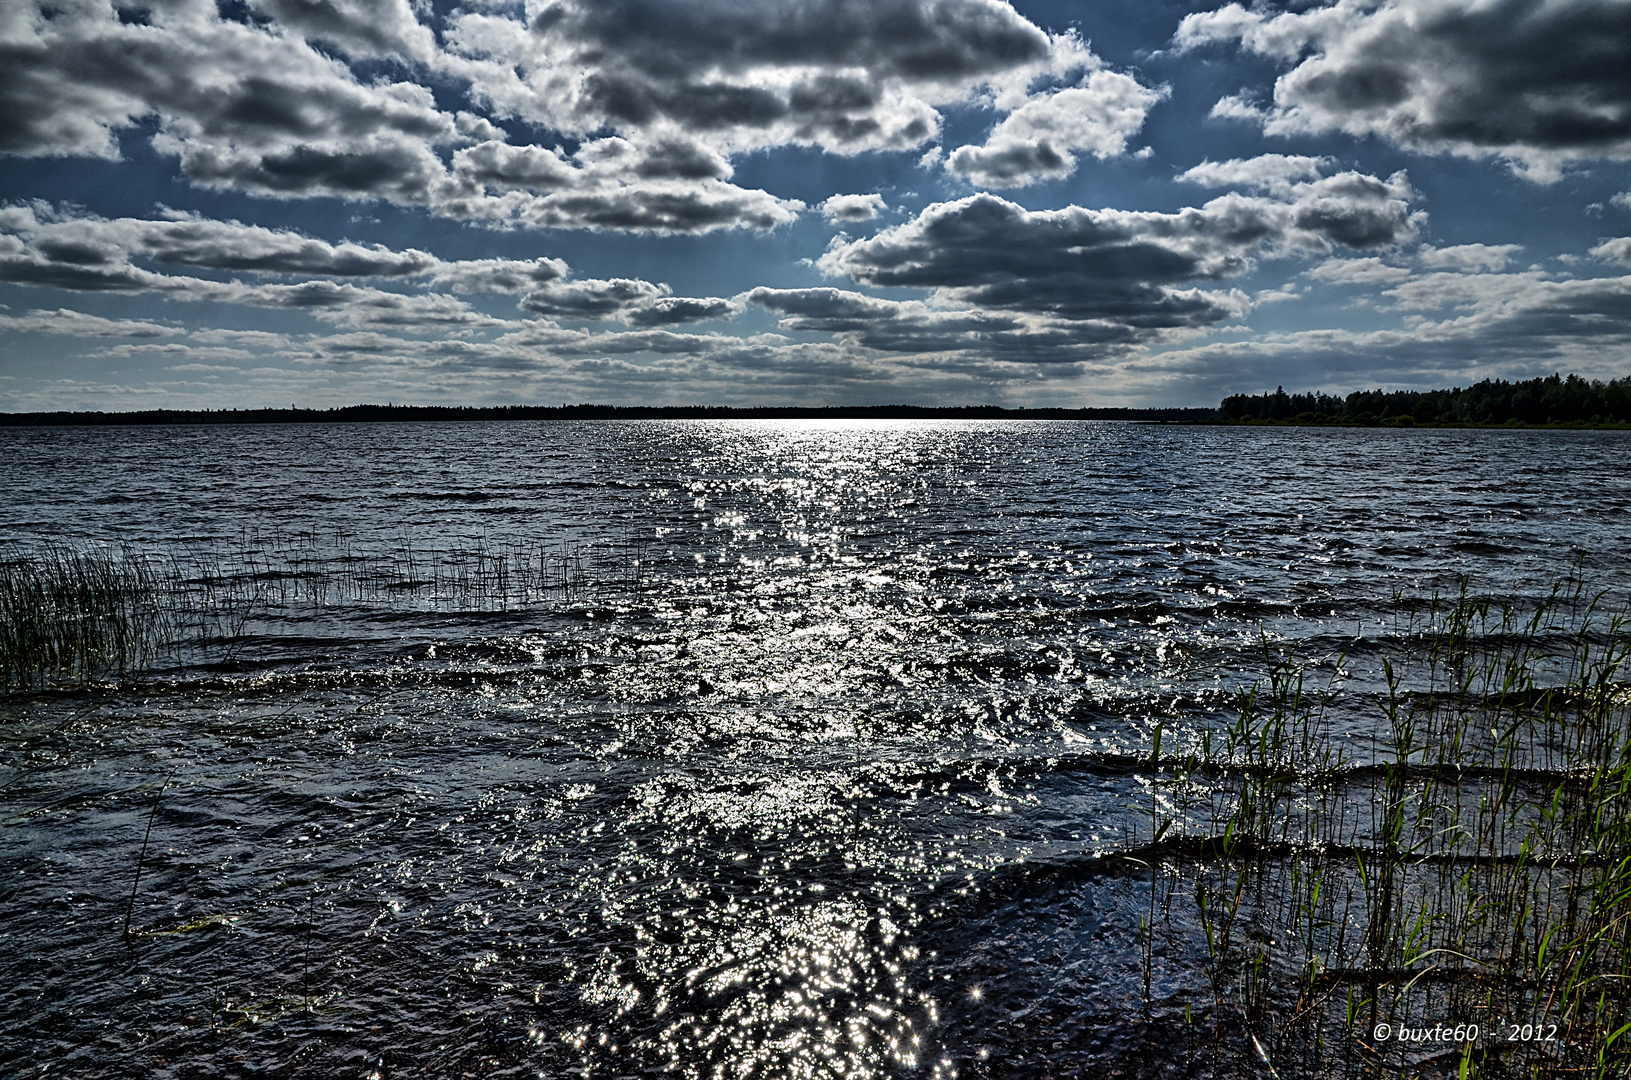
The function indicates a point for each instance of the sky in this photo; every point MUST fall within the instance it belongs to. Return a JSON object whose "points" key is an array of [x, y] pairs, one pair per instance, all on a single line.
{"points": [[253, 203]]}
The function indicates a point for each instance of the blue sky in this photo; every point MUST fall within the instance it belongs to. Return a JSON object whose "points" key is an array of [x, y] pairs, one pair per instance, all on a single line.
{"points": [[243, 203]]}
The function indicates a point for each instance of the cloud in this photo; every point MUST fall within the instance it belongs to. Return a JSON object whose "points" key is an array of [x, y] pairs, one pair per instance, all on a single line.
{"points": [[1540, 83], [1039, 140], [1615, 250], [75, 250], [853, 207], [496, 275], [1128, 267], [672, 310], [832, 73], [913, 327], [1469, 257], [628, 300], [591, 298], [1371, 271], [716, 78], [67, 323], [1512, 325], [1272, 172], [1622, 200], [647, 100], [240, 105], [360, 27], [252, 106]]}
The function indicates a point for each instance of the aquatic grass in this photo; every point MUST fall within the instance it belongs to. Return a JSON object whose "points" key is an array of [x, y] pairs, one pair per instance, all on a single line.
{"points": [[1485, 879], [86, 613], [79, 612]]}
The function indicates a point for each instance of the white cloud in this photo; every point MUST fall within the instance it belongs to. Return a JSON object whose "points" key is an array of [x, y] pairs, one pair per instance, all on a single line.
{"points": [[1039, 139], [1369, 271], [67, 323], [1615, 250], [1272, 172], [1469, 257]]}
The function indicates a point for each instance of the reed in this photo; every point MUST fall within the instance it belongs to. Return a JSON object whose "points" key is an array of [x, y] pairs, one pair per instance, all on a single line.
{"points": [[78, 611], [1473, 869], [87, 613]]}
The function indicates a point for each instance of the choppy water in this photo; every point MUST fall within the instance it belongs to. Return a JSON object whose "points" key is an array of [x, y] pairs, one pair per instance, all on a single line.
{"points": [[822, 787]]}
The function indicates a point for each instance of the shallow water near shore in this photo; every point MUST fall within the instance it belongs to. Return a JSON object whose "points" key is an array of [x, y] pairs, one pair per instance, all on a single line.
{"points": [[818, 762]]}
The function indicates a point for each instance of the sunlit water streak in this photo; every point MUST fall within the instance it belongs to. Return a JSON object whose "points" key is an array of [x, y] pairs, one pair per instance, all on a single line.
{"points": [[821, 791]]}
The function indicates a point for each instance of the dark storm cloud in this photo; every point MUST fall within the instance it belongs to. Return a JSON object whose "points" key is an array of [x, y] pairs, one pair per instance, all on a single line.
{"points": [[1540, 82]]}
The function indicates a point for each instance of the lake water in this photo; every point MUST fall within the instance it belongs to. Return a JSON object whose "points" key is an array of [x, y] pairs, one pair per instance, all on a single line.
{"points": [[812, 771]]}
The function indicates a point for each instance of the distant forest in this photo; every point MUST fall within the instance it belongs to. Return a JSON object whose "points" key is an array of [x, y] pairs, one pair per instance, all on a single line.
{"points": [[1555, 399]]}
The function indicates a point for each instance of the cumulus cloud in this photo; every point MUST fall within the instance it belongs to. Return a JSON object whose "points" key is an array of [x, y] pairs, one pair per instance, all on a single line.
{"points": [[89, 254], [853, 207], [842, 76], [238, 104], [252, 105], [1039, 140], [1135, 268], [1540, 83], [894, 326], [832, 73], [652, 99]]}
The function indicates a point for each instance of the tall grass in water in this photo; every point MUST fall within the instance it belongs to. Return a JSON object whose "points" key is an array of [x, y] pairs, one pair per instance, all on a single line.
{"points": [[1469, 872], [79, 612], [86, 613]]}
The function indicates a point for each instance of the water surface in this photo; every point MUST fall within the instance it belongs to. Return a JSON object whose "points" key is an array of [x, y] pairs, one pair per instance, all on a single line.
{"points": [[813, 773]]}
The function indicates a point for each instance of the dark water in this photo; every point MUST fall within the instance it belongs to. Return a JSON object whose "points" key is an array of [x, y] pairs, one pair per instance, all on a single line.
{"points": [[822, 787]]}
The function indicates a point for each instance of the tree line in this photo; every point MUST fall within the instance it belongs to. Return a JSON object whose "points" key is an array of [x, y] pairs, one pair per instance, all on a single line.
{"points": [[1553, 399]]}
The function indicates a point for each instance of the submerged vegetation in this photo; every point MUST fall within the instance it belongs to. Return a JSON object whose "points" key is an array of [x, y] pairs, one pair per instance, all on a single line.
{"points": [[1454, 900], [1553, 400]]}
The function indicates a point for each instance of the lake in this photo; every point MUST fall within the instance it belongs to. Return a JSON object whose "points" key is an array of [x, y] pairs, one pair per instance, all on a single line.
{"points": [[712, 748]]}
